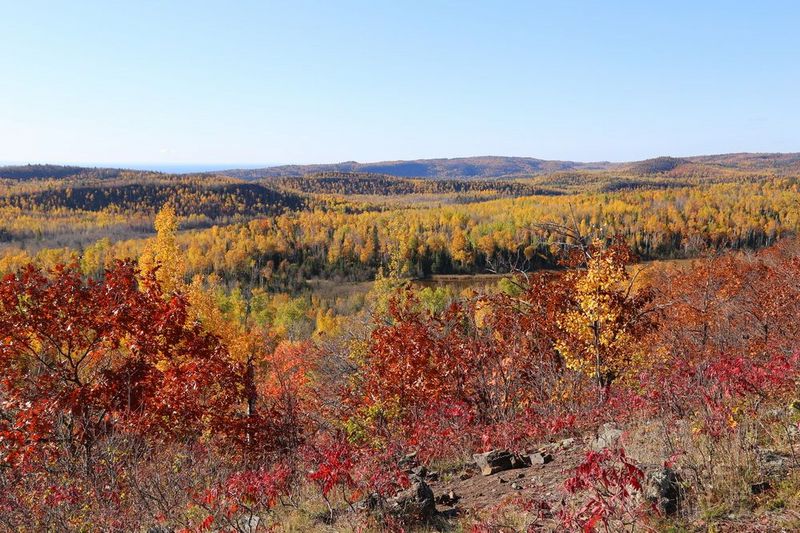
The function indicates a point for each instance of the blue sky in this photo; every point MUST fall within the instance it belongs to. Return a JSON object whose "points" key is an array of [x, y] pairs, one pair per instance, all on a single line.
{"points": [[299, 82]]}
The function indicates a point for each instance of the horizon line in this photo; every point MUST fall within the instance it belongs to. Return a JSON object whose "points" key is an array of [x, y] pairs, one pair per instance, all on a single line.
{"points": [[240, 165]]}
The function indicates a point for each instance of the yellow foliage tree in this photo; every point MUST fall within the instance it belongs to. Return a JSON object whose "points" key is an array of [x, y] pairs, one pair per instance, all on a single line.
{"points": [[602, 328], [327, 324], [164, 255], [460, 248], [242, 341]]}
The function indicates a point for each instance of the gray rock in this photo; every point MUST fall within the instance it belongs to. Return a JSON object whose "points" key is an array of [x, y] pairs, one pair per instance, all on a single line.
{"points": [[664, 490], [416, 504], [779, 413], [607, 436], [248, 524], [773, 463], [497, 461], [373, 502], [409, 458], [539, 458]]}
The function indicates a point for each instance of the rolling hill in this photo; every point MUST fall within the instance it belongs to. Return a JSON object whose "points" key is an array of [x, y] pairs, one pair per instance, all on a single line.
{"points": [[493, 167], [483, 167]]}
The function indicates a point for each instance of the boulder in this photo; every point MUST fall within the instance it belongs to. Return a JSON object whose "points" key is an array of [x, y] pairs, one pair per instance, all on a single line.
{"points": [[773, 463], [415, 504], [607, 437], [539, 458], [371, 503], [250, 523], [664, 490], [497, 461]]}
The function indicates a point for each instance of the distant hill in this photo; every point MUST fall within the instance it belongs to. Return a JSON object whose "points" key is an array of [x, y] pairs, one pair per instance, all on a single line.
{"points": [[54, 188], [493, 167], [213, 200], [656, 165], [461, 168], [350, 183], [35, 172], [746, 160], [458, 168]]}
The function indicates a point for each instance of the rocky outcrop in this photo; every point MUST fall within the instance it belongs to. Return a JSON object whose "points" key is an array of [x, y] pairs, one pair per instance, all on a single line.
{"points": [[496, 461]]}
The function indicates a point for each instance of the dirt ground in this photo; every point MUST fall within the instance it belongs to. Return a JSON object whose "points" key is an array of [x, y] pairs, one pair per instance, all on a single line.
{"points": [[476, 492]]}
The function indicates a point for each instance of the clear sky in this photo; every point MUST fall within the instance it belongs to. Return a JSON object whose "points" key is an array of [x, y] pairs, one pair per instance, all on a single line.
{"points": [[298, 82]]}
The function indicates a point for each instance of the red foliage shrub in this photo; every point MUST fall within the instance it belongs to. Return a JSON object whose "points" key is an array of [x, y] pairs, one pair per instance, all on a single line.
{"points": [[98, 375], [356, 470], [484, 372], [82, 359], [611, 486], [716, 390], [244, 497], [334, 468]]}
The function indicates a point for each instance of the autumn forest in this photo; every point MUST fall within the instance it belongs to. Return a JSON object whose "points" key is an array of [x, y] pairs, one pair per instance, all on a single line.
{"points": [[485, 344]]}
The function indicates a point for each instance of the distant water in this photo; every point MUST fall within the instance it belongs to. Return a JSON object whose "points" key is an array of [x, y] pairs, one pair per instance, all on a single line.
{"points": [[181, 168]]}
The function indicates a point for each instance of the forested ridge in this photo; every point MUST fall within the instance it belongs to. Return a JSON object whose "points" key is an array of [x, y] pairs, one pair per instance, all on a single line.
{"points": [[192, 198], [39, 172], [350, 183], [497, 167]]}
